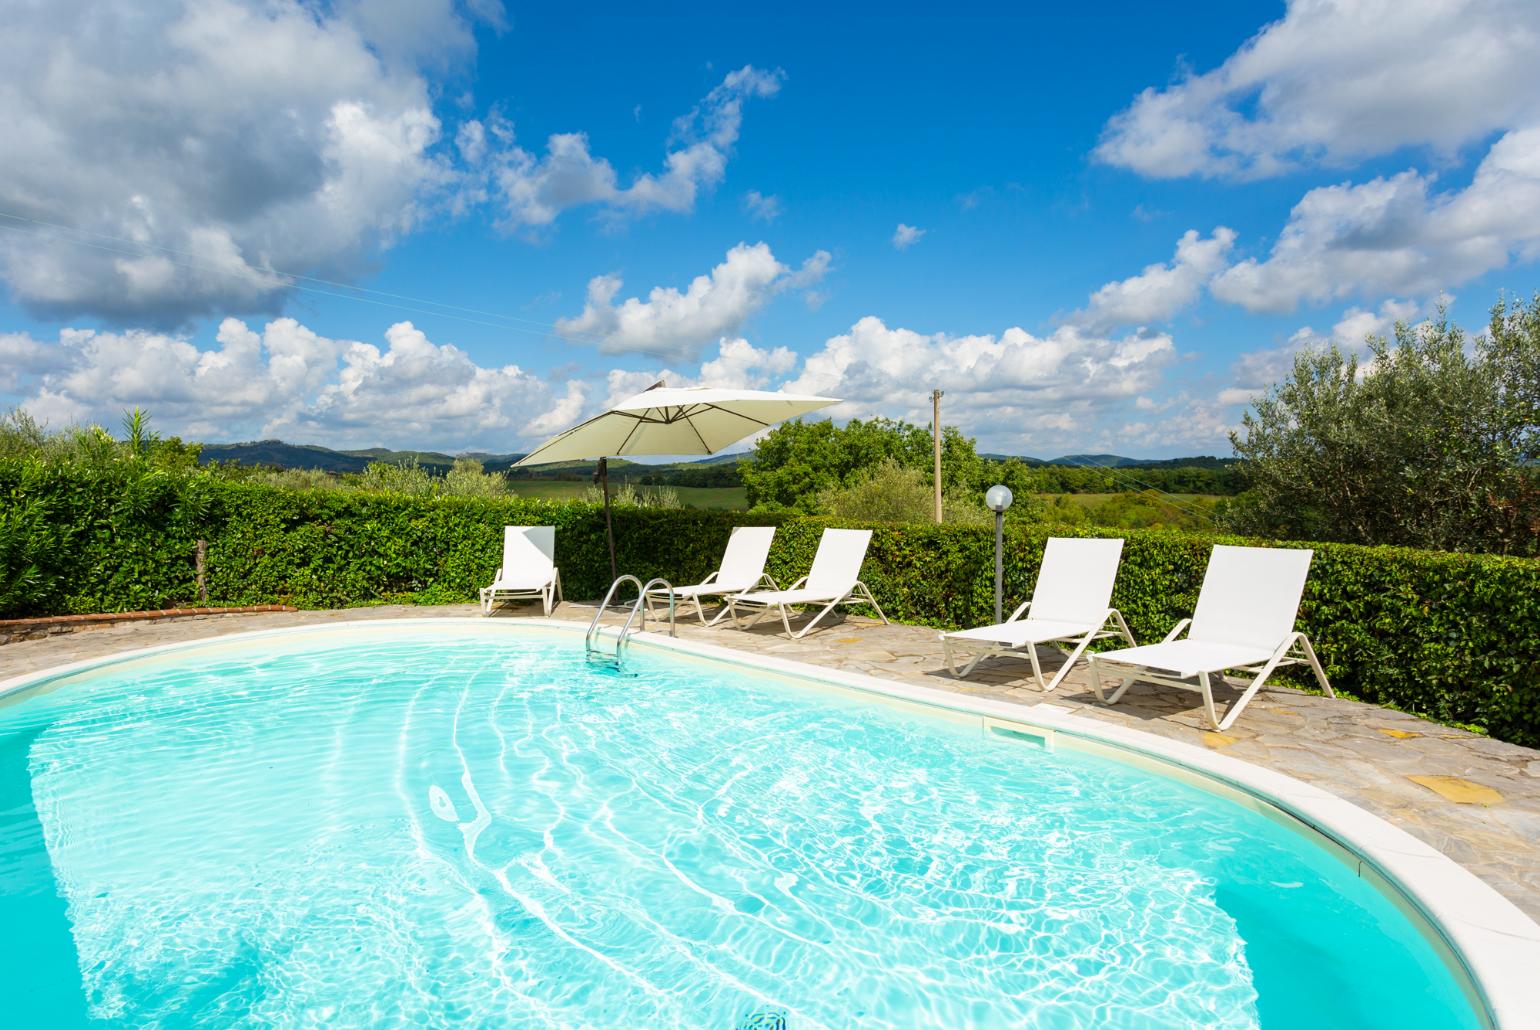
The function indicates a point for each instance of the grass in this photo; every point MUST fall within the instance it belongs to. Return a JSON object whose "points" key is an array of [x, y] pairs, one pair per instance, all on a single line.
{"points": [[1132, 510], [1097, 500], [689, 496]]}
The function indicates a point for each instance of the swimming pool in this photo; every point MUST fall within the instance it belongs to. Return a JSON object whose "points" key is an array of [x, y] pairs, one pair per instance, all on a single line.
{"points": [[468, 822]]}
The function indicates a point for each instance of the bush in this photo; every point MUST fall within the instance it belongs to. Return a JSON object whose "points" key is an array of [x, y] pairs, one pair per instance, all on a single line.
{"points": [[635, 496], [1452, 636], [890, 492]]}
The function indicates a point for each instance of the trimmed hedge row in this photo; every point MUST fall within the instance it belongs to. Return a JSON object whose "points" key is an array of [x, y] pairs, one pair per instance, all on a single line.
{"points": [[1452, 636]]}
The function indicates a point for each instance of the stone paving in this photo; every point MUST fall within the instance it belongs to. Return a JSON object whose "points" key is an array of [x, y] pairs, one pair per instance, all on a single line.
{"points": [[1475, 799]]}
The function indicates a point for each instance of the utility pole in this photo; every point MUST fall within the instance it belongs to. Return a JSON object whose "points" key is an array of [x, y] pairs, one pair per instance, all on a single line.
{"points": [[935, 433]]}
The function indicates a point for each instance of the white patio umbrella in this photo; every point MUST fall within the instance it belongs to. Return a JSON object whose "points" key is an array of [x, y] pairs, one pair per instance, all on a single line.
{"points": [[664, 421]]}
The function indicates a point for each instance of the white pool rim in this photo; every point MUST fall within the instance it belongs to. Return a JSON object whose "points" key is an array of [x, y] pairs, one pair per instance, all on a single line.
{"points": [[1497, 945]]}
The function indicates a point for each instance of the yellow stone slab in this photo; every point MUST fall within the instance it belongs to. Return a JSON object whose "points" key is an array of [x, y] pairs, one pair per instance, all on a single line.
{"points": [[1398, 734], [1461, 792], [1219, 740]]}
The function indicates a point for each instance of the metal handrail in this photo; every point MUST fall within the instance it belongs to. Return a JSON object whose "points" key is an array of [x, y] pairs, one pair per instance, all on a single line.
{"points": [[593, 627], [639, 605], [673, 630]]}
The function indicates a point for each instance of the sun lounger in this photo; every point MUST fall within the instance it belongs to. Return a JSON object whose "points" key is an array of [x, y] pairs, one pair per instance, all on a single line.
{"points": [[1071, 603], [1244, 620], [528, 569], [742, 570], [833, 580]]}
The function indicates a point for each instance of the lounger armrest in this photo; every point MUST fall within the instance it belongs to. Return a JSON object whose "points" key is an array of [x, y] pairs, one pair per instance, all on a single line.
{"points": [[798, 583], [1176, 630], [1024, 609], [710, 579]]}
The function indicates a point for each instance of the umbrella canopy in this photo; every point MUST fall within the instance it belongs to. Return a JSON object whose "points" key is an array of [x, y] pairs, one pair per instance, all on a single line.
{"points": [[695, 420]]}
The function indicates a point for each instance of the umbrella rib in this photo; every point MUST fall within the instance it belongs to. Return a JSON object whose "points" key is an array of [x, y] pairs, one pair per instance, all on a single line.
{"points": [[702, 439], [737, 414], [635, 425]]}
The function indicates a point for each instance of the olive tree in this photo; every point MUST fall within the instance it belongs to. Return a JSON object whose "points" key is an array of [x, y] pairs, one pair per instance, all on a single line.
{"points": [[1432, 441]]}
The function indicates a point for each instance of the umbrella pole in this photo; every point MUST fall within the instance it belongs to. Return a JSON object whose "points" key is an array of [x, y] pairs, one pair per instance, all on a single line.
{"points": [[609, 525]]}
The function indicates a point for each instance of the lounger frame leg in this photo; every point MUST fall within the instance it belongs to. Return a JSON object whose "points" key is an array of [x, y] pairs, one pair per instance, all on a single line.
{"points": [[1114, 619], [805, 629], [870, 599], [765, 580], [859, 594], [1073, 656], [1284, 655], [949, 656]]}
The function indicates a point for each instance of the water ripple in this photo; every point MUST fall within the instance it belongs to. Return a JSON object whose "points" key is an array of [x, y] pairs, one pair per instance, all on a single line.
{"points": [[472, 827]]}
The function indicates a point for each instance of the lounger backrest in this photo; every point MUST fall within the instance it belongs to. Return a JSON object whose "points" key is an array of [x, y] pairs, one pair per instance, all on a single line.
{"points": [[1250, 595], [529, 549], [748, 548], [1075, 581], [837, 565]]}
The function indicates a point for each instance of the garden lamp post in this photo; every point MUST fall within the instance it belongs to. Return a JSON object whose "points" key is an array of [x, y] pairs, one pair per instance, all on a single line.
{"points": [[998, 498]]}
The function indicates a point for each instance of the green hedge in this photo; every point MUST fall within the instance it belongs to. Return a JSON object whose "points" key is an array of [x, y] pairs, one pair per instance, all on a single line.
{"points": [[1452, 636]]}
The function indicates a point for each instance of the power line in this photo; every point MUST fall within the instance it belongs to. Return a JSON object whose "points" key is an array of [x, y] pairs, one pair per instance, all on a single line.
{"points": [[1128, 477], [296, 281]]}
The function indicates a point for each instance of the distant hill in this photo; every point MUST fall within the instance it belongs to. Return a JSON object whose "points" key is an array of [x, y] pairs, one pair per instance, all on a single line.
{"points": [[1105, 461], [277, 454], [717, 470], [1118, 461]]}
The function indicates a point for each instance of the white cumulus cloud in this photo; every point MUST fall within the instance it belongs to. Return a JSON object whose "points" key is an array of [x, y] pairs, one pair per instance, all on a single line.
{"points": [[1015, 390], [1161, 290], [1398, 235], [1254, 371], [738, 365], [1335, 81], [906, 236], [674, 324], [534, 189], [766, 208], [286, 380], [189, 149]]}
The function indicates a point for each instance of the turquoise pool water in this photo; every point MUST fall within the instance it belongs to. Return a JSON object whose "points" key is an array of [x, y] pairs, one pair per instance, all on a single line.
{"points": [[468, 825]]}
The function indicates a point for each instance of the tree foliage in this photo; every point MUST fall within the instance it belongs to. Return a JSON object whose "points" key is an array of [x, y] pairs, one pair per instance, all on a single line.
{"points": [[890, 492], [1432, 442], [797, 462]]}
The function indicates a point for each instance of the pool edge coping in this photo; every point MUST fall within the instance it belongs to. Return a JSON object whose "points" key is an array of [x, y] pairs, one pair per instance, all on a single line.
{"points": [[1496, 942]]}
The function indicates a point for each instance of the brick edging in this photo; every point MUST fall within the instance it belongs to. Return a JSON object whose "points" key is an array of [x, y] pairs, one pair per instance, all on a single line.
{"points": [[46, 621]]}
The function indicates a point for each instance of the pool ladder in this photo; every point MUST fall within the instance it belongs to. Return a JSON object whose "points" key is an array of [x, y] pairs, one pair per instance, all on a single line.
{"points": [[639, 605]]}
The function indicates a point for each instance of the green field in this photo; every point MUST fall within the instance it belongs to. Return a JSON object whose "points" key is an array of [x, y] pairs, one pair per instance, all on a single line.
{"points": [[689, 496], [1133, 510], [1097, 500]]}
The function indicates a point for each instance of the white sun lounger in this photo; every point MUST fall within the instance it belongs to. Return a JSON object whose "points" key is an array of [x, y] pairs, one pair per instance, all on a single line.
{"points": [[1071, 601], [1244, 621], [528, 569], [742, 570], [833, 580]]}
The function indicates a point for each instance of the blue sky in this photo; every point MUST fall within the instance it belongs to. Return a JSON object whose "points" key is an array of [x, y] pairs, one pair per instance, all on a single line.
{"points": [[1095, 230]]}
